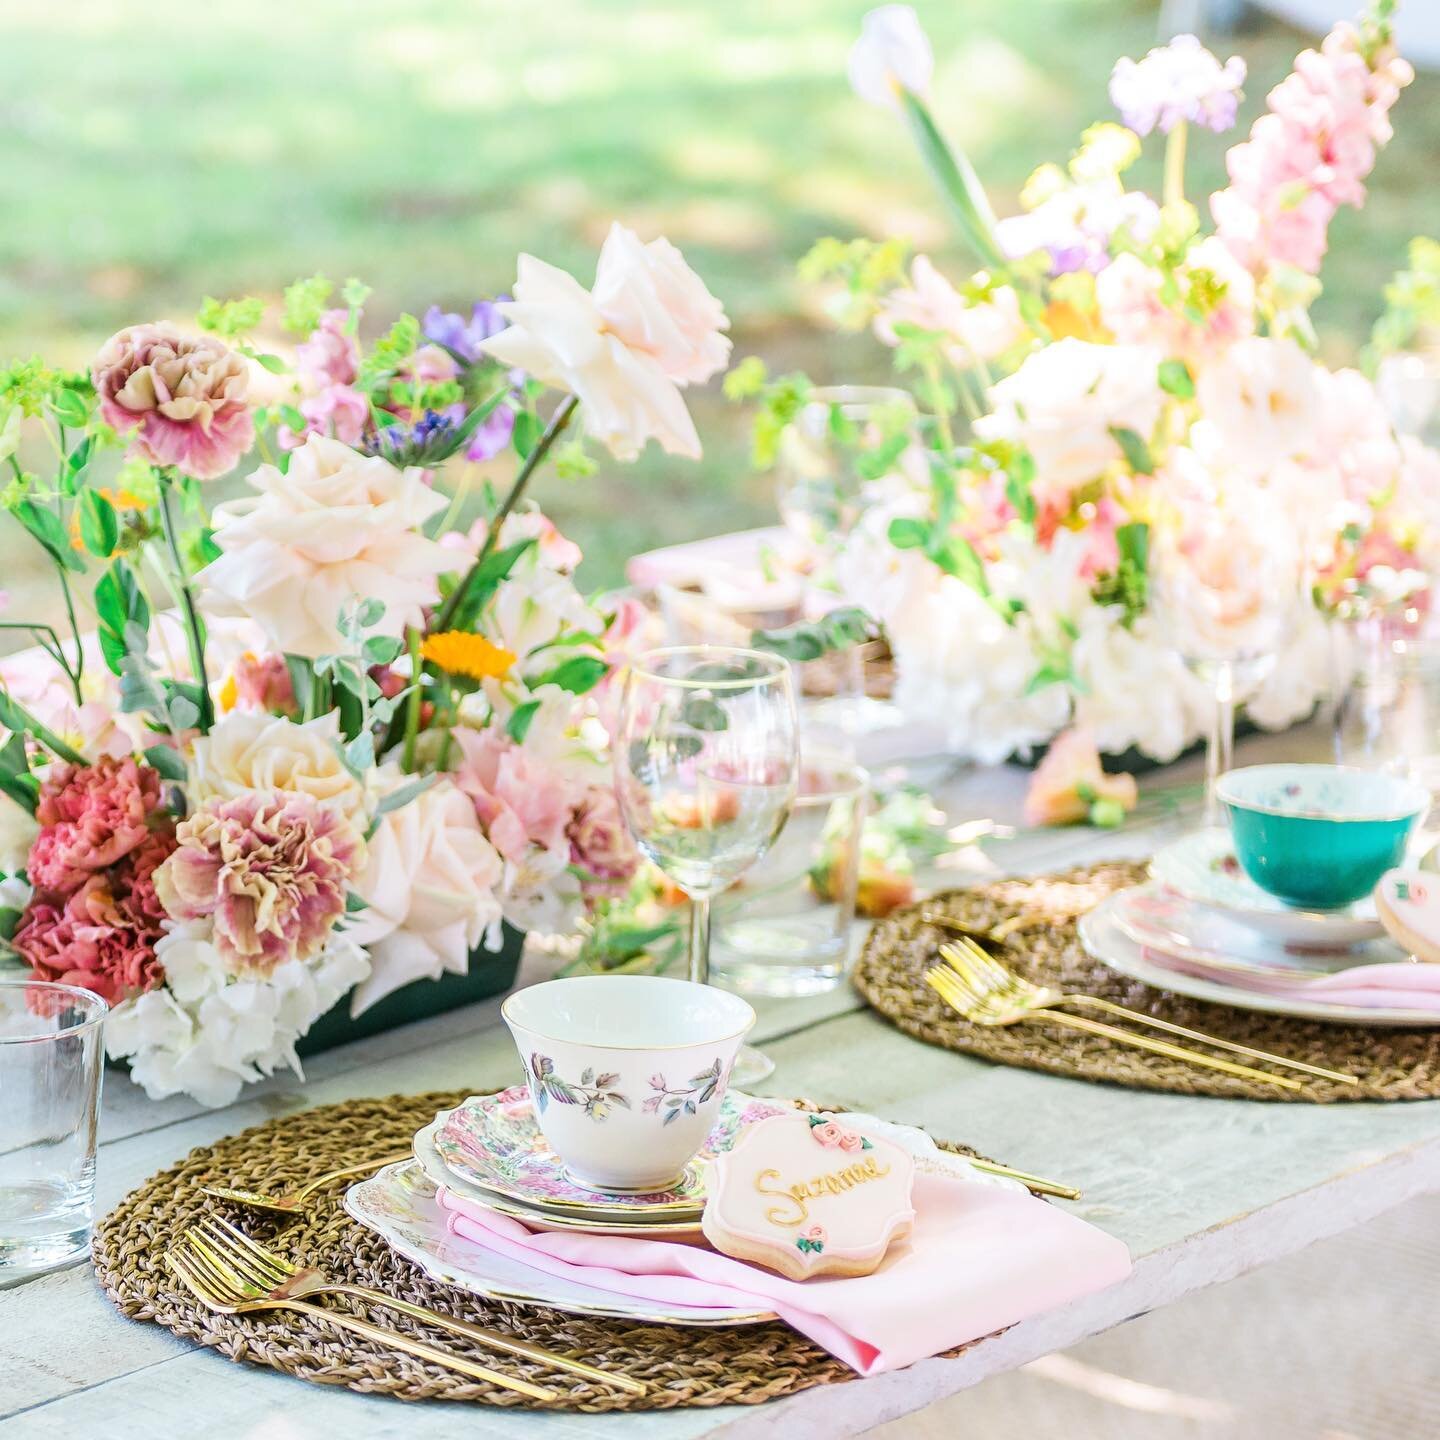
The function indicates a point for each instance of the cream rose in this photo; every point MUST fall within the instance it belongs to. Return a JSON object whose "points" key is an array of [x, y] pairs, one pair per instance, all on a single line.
{"points": [[250, 750], [337, 526], [623, 350], [429, 887], [1064, 403]]}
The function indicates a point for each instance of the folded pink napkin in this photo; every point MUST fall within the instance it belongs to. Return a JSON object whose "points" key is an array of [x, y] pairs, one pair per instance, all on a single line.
{"points": [[1405, 985], [978, 1259]]}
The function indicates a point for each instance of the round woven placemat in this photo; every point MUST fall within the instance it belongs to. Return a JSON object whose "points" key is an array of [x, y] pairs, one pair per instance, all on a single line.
{"points": [[746, 1365], [1391, 1064]]}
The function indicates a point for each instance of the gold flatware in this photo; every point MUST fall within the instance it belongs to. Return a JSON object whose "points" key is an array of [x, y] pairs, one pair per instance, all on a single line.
{"points": [[255, 1264], [981, 1009], [1034, 1183], [1003, 982], [289, 1202], [219, 1288]]}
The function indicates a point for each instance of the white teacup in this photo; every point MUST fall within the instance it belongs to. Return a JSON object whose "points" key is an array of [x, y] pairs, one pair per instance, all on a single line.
{"points": [[626, 1071]]}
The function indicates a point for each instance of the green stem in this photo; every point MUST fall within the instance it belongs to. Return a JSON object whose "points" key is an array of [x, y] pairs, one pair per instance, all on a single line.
{"points": [[194, 635], [78, 673], [412, 703], [558, 421], [15, 717], [53, 649], [1174, 192]]}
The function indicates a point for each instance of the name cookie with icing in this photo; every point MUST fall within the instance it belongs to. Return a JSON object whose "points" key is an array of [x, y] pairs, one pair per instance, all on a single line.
{"points": [[1408, 904], [809, 1195]]}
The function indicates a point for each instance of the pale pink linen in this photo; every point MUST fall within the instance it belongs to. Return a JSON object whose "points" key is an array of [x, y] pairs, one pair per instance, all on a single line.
{"points": [[1405, 985], [979, 1258]]}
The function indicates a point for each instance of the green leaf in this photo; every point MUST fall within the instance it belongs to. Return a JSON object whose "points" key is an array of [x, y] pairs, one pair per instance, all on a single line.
{"points": [[957, 556], [404, 794], [517, 727], [16, 781], [809, 640], [957, 180], [120, 605], [1175, 379], [1133, 543], [526, 433], [578, 674], [273, 363], [381, 649], [44, 524], [1137, 452], [99, 524], [71, 408], [495, 568], [75, 464], [702, 714], [14, 716], [184, 713], [908, 533], [166, 759], [354, 904]]}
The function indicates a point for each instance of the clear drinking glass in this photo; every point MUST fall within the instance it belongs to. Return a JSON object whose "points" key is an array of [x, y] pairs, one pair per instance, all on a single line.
{"points": [[1226, 583], [50, 1069], [786, 929], [707, 757], [833, 463]]}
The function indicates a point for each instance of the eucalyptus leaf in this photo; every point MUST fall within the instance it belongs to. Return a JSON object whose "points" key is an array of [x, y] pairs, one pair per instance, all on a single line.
{"points": [[166, 759], [404, 794]]}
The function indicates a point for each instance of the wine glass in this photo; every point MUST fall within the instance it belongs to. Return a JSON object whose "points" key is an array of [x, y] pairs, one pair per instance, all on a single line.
{"points": [[706, 768], [835, 459], [1226, 582]]}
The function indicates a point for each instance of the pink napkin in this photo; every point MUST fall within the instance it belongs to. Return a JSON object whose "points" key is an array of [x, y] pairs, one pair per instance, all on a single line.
{"points": [[1405, 985], [978, 1259]]}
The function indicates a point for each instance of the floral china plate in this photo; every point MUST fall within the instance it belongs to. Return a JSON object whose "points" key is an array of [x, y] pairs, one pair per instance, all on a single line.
{"points": [[1108, 943], [1202, 867], [494, 1142], [1217, 943], [398, 1204], [649, 1226]]}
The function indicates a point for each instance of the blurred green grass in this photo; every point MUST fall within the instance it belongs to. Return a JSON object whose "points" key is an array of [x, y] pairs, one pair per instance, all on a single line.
{"points": [[157, 154]]}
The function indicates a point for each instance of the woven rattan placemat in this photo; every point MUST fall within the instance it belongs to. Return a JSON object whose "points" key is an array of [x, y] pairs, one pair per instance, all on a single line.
{"points": [[746, 1365], [1391, 1064]]}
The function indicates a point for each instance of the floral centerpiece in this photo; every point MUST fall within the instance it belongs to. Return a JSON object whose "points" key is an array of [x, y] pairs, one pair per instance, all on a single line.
{"points": [[320, 743], [1121, 371]]}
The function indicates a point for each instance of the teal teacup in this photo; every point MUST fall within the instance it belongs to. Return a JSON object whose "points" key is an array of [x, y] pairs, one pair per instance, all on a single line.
{"points": [[1320, 836]]}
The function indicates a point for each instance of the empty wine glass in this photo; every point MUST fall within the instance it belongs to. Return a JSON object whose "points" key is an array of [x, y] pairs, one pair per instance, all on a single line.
{"points": [[1226, 581], [707, 760]]}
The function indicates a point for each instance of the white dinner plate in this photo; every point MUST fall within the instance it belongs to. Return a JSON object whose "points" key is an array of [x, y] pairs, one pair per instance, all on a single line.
{"points": [[1109, 944], [1202, 867], [1158, 918], [398, 1204]]}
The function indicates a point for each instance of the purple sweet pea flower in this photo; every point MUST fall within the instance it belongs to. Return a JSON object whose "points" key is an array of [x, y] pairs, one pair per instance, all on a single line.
{"points": [[460, 336], [1075, 227], [493, 434], [1175, 82]]}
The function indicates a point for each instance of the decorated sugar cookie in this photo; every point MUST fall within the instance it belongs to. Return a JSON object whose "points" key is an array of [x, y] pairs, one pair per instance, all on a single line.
{"points": [[809, 1195], [1408, 903]]}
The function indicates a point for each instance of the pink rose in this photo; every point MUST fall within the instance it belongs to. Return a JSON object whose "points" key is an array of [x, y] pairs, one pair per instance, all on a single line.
{"points": [[828, 1134], [814, 1232], [184, 397], [851, 1141]]}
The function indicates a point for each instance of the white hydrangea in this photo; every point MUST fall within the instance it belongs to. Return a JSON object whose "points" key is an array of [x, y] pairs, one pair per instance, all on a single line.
{"points": [[206, 1034]]}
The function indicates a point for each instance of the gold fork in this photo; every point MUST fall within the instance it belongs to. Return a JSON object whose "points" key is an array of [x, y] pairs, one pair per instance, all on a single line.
{"points": [[291, 1201], [997, 978], [219, 1288], [255, 1264], [981, 1007]]}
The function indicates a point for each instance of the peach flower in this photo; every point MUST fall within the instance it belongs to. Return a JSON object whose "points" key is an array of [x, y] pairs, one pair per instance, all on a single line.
{"points": [[1069, 785]]}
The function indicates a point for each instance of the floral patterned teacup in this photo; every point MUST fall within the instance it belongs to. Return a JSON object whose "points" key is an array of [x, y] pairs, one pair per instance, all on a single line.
{"points": [[626, 1071]]}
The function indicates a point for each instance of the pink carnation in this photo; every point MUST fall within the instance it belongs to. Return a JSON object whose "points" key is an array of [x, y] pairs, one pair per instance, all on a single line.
{"points": [[270, 869], [102, 935], [600, 842], [90, 817], [517, 797], [184, 397]]}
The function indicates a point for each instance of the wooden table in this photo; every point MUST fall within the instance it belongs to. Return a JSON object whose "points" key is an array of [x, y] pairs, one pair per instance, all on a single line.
{"points": [[1200, 1189]]}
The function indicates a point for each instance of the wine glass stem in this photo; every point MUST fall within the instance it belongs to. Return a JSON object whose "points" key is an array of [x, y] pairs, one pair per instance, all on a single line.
{"points": [[700, 940], [852, 685], [1220, 747]]}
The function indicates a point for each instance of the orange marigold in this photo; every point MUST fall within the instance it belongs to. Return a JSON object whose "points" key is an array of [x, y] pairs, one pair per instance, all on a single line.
{"points": [[460, 653]]}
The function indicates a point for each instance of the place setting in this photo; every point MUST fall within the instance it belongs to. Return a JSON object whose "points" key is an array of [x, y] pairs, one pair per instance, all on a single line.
{"points": [[604, 1235]]}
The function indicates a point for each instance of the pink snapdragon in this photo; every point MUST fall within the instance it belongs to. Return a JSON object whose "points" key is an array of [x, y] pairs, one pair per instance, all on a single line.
{"points": [[331, 356], [1309, 154]]}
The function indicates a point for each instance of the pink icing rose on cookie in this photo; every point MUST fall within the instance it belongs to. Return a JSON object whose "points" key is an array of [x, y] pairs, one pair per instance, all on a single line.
{"points": [[827, 1133]]}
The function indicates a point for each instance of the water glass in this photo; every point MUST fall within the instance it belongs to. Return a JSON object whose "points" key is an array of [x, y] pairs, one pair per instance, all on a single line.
{"points": [[51, 1060], [785, 929]]}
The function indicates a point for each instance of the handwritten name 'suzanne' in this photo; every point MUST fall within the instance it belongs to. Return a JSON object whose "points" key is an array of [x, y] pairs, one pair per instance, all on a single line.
{"points": [[768, 1182]]}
